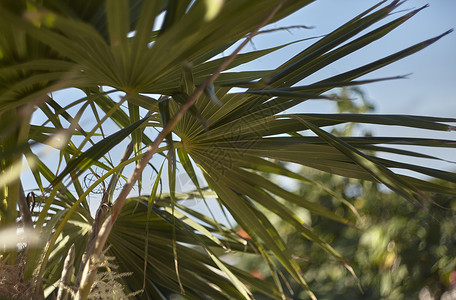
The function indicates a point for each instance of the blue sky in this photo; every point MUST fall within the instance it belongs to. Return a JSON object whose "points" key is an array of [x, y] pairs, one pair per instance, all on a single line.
{"points": [[429, 90]]}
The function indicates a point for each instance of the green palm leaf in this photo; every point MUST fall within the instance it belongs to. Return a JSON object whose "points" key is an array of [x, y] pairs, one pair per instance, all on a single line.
{"points": [[232, 139]]}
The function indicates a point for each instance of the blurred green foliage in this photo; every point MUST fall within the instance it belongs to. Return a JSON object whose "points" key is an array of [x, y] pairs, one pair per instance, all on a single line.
{"points": [[397, 250]]}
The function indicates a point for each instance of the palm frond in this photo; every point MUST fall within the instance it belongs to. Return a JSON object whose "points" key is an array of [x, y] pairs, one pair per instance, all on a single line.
{"points": [[231, 138]]}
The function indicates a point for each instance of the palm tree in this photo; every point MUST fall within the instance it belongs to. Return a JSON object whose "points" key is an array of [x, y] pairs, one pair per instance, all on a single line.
{"points": [[139, 76]]}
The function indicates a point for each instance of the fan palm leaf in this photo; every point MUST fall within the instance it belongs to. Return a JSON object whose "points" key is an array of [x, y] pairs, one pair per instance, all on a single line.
{"points": [[114, 49]]}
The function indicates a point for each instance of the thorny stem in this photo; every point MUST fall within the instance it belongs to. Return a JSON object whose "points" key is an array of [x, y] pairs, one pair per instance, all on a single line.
{"points": [[89, 273]]}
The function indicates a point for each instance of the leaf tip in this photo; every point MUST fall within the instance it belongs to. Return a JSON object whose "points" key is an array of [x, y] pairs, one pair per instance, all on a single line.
{"points": [[430, 41]]}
